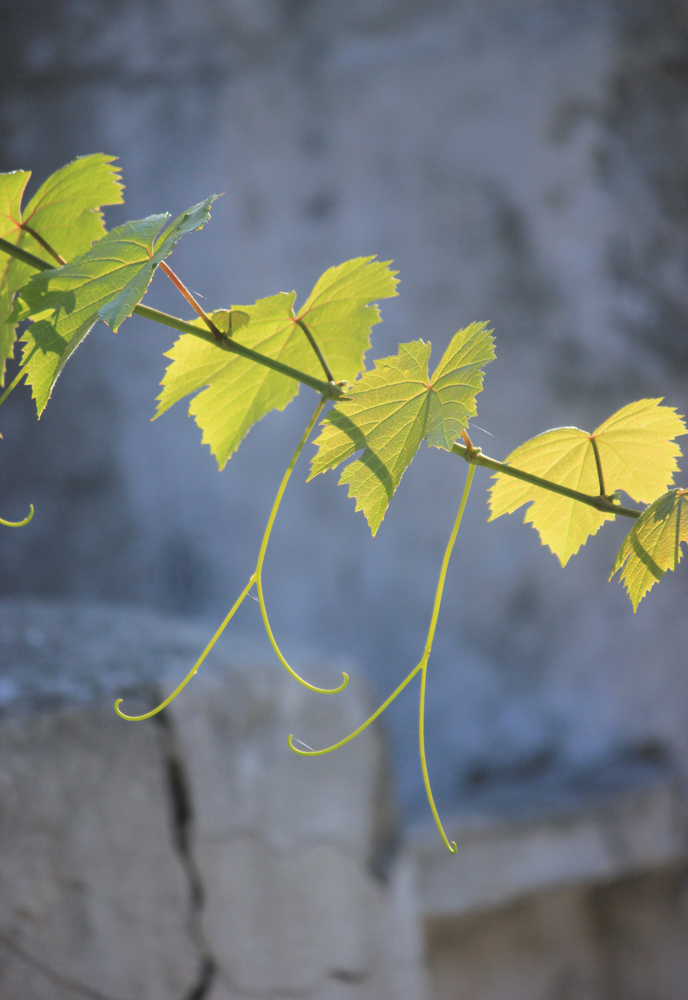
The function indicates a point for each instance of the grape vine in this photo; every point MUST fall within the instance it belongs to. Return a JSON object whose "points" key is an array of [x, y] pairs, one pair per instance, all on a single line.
{"points": [[61, 272]]}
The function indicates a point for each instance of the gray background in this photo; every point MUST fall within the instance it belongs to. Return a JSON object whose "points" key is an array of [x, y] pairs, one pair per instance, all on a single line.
{"points": [[523, 163]]}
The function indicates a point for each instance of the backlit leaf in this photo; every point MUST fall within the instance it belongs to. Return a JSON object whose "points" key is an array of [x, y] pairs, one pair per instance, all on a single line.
{"points": [[107, 283], [637, 454], [11, 190], [396, 405], [65, 211], [653, 545], [238, 392]]}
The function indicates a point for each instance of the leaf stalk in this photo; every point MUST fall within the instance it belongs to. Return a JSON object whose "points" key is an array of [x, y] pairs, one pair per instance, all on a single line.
{"points": [[44, 243], [598, 463], [318, 353], [195, 305]]}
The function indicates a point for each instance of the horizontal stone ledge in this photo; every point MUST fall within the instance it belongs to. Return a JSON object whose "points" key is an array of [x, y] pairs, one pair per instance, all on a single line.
{"points": [[505, 855]]}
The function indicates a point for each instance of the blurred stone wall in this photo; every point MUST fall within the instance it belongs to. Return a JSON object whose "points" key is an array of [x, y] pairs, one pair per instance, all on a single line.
{"points": [[521, 162], [193, 855]]}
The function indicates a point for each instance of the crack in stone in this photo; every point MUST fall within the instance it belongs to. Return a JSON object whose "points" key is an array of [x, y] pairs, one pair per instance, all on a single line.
{"points": [[181, 815], [81, 989]]}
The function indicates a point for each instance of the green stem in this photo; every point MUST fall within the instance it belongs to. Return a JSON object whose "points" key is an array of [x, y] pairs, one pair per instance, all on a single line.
{"points": [[330, 390], [326, 389], [24, 256], [261, 558], [476, 457]]}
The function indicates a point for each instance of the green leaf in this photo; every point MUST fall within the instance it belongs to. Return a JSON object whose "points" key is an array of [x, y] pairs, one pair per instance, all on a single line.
{"points": [[637, 454], [653, 545], [11, 190], [396, 405], [339, 315], [238, 392], [65, 211], [107, 282]]}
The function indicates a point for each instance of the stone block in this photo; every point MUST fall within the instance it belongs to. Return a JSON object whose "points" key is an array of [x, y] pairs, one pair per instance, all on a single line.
{"points": [[192, 855]]}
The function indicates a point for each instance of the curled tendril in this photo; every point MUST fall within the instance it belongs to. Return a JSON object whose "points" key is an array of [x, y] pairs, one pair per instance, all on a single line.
{"points": [[261, 559], [347, 739], [147, 715], [18, 524], [280, 657], [255, 578], [451, 847]]}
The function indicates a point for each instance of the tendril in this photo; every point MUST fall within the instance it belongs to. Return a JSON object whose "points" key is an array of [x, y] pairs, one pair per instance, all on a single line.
{"points": [[421, 667], [18, 524], [280, 656], [451, 846], [261, 559], [255, 578], [347, 739], [147, 715]]}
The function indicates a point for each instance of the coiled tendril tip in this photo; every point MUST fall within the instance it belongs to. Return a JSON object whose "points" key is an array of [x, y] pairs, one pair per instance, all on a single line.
{"points": [[139, 718], [18, 524]]}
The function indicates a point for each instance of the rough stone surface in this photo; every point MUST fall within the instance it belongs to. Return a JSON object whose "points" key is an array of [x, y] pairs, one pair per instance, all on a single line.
{"points": [[510, 853], [539, 949], [626, 940], [91, 887], [196, 855]]}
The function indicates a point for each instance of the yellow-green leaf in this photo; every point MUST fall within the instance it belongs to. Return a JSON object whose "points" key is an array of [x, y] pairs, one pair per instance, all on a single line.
{"points": [[238, 392], [653, 545], [11, 190], [65, 211], [107, 283], [637, 454], [393, 407]]}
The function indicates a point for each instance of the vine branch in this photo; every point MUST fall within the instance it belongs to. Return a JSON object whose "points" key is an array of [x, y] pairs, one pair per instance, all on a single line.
{"points": [[476, 457], [328, 389]]}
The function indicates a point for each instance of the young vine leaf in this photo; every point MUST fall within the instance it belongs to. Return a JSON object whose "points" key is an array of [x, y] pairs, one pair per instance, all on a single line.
{"points": [[393, 407], [239, 392], [637, 454], [653, 545], [105, 283], [65, 212]]}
